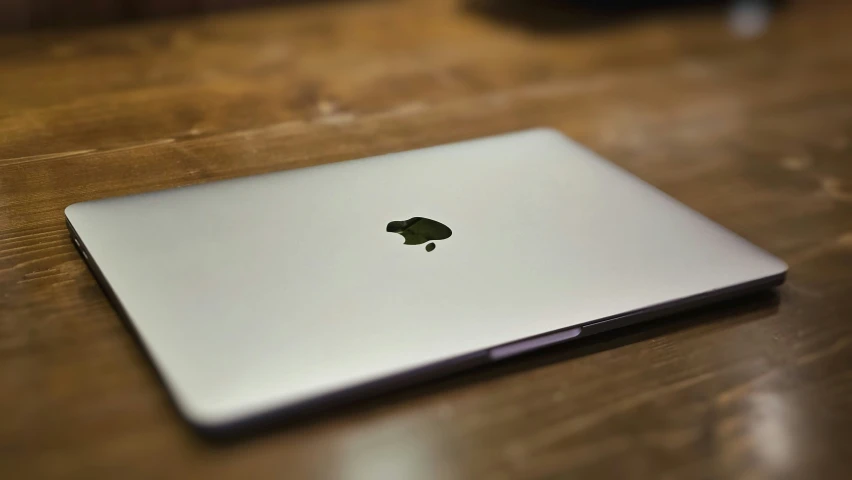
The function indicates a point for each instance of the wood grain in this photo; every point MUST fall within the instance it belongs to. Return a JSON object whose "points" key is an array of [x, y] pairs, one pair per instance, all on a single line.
{"points": [[754, 133]]}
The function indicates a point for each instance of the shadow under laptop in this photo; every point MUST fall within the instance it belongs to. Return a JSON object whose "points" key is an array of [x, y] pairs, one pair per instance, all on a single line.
{"points": [[371, 398]]}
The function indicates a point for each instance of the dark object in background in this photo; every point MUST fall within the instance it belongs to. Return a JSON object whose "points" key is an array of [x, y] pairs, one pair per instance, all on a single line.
{"points": [[574, 15], [535, 14]]}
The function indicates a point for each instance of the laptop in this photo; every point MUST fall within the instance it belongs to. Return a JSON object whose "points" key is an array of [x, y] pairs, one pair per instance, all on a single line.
{"points": [[271, 294]]}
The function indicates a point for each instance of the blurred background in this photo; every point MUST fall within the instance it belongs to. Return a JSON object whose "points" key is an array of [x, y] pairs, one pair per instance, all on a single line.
{"points": [[556, 14]]}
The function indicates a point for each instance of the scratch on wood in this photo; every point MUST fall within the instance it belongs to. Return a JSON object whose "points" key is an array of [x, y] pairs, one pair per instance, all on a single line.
{"points": [[45, 156], [51, 156], [40, 275], [153, 143]]}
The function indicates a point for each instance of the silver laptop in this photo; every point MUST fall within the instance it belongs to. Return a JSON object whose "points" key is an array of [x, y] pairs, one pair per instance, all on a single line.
{"points": [[273, 293]]}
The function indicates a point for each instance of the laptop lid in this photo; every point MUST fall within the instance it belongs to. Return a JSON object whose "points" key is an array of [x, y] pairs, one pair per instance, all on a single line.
{"points": [[259, 293]]}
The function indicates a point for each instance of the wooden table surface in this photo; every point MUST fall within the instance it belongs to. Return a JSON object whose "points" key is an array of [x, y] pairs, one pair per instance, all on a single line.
{"points": [[754, 133]]}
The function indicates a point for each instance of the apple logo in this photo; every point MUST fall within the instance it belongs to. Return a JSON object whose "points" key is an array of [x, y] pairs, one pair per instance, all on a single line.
{"points": [[418, 230]]}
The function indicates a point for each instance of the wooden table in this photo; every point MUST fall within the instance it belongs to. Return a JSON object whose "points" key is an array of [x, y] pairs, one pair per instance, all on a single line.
{"points": [[754, 133]]}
